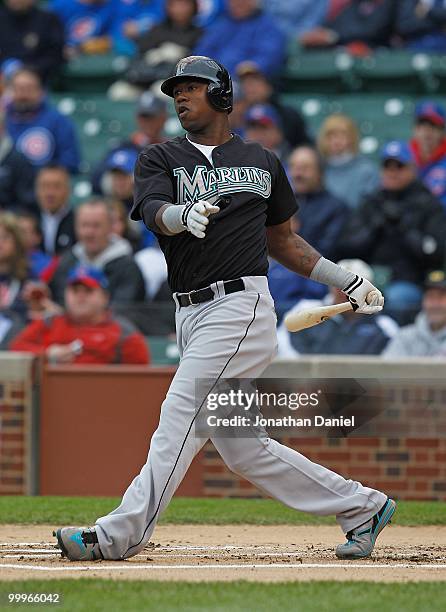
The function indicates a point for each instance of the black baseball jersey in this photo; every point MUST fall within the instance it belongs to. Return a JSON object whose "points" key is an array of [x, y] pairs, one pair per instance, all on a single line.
{"points": [[253, 192]]}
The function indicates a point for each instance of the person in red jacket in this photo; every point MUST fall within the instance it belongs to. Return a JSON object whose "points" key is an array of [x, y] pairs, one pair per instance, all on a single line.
{"points": [[87, 332], [428, 147]]}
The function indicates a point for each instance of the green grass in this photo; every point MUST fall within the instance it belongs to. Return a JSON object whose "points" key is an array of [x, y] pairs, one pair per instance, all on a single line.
{"points": [[96, 595], [183, 510]]}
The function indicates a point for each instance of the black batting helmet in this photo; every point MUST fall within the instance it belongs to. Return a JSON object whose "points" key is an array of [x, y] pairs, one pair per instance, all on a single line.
{"points": [[204, 69]]}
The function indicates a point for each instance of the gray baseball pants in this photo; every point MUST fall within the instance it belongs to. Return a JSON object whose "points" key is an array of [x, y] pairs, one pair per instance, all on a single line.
{"points": [[232, 336]]}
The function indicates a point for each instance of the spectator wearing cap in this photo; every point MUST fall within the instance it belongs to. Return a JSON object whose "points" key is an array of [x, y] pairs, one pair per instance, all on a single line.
{"points": [[151, 116], [118, 184], [427, 336], [344, 334], [256, 88], [119, 181], [428, 147], [53, 190], [38, 130], [87, 333], [400, 226], [244, 35], [348, 175], [16, 176], [295, 18], [421, 24], [263, 125], [97, 246], [31, 34]]}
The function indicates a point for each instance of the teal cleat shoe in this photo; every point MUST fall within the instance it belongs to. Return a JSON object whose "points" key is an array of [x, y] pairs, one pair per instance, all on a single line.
{"points": [[78, 543], [361, 540]]}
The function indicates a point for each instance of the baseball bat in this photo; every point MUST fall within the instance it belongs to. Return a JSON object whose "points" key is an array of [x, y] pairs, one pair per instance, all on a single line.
{"points": [[295, 321]]}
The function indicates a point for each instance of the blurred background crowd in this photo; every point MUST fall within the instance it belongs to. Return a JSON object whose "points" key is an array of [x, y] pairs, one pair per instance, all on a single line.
{"points": [[346, 92]]}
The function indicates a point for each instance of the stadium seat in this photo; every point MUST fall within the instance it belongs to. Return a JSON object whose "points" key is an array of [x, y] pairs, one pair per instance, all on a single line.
{"points": [[319, 71], [439, 72], [380, 117], [100, 123], [396, 71], [163, 351], [92, 73], [152, 318]]}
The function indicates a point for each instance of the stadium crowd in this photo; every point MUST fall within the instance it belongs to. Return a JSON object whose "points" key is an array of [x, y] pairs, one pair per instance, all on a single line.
{"points": [[68, 273]]}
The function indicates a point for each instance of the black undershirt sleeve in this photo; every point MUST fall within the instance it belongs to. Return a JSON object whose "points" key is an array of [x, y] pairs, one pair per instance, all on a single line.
{"points": [[282, 202], [153, 187]]}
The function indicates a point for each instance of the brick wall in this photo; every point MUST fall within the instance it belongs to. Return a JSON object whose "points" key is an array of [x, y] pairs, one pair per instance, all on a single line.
{"points": [[406, 468], [405, 465], [15, 424]]}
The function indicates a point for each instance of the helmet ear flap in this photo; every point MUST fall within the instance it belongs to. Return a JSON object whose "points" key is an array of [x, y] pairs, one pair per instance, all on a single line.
{"points": [[218, 97]]}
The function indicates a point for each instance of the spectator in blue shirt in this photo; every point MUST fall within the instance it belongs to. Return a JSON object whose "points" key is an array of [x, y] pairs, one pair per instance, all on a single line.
{"points": [[422, 23], [294, 18], [86, 20], [321, 215], [38, 130], [135, 17], [244, 35], [320, 219]]}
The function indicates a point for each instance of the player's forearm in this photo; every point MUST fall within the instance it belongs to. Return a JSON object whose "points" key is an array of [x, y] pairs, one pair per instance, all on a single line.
{"points": [[159, 219], [163, 220], [294, 253]]}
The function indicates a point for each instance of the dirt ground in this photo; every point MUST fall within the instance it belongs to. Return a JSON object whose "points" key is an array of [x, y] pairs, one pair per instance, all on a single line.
{"points": [[267, 554]]}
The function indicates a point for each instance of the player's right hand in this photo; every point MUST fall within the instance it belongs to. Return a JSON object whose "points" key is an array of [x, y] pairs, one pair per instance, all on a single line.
{"points": [[195, 217], [364, 297]]}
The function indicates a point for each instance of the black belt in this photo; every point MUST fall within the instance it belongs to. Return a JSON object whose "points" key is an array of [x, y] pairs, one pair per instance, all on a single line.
{"points": [[204, 295]]}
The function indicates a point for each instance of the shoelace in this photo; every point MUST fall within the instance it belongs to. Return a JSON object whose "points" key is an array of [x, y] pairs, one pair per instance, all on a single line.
{"points": [[89, 537]]}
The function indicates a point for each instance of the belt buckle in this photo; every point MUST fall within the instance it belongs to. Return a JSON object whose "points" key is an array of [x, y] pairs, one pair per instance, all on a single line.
{"points": [[189, 295]]}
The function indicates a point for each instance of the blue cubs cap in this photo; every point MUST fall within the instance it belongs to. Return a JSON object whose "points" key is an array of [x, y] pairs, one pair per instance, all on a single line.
{"points": [[88, 276], [397, 150], [150, 105], [436, 279], [9, 67], [123, 160], [263, 114], [432, 112]]}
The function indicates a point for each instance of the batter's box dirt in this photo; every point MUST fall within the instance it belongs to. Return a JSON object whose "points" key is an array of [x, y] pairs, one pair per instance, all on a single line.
{"points": [[262, 553]]}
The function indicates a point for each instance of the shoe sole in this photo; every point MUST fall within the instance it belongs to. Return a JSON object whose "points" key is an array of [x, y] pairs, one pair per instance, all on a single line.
{"points": [[58, 534], [384, 520]]}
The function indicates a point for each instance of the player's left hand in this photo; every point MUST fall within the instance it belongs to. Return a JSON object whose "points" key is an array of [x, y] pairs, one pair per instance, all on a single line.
{"points": [[363, 296]]}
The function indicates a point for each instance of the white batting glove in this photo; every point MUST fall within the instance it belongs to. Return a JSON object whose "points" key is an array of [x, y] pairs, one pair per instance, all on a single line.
{"points": [[195, 217], [364, 297]]}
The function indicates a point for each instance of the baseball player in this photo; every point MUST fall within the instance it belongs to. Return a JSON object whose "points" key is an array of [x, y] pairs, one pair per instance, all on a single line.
{"points": [[219, 205]]}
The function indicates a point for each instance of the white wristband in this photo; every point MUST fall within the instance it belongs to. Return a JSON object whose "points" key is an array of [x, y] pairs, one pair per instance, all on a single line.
{"points": [[329, 273], [171, 218]]}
